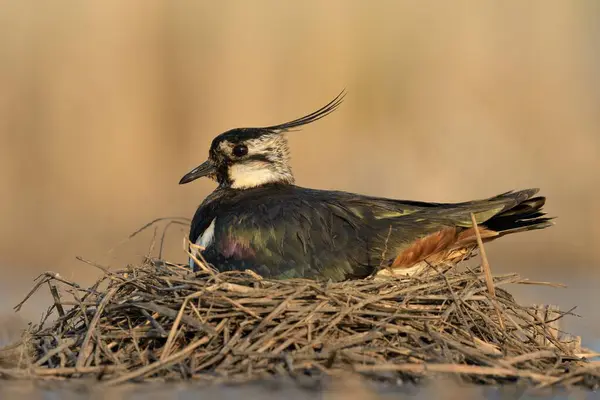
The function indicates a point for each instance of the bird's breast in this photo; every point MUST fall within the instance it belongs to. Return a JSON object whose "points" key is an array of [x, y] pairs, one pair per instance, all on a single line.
{"points": [[204, 240], [208, 236]]}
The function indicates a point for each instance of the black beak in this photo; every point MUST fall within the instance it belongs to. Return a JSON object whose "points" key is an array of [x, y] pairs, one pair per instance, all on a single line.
{"points": [[204, 169]]}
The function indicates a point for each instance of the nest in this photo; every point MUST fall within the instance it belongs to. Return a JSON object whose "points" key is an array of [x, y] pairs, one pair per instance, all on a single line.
{"points": [[162, 321]]}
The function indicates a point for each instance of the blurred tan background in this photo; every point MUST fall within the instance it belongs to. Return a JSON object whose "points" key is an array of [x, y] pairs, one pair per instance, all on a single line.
{"points": [[105, 105]]}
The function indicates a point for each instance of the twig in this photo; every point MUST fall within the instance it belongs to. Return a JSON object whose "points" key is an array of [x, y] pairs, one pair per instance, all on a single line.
{"points": [[158, 364], [485, 265], [56, 297], [455, 369], [85, 351]]}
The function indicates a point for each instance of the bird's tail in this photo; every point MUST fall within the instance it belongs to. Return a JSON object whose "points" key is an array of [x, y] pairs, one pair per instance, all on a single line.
{"points": [[526, 215], [497, 216]]}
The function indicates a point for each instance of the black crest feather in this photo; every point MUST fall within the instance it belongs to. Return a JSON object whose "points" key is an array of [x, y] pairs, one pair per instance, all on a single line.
{"points": [[312, 117], [237, 135]]}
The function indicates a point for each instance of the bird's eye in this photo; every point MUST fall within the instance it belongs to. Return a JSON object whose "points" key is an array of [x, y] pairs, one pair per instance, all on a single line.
{"points": [[240, 150]]}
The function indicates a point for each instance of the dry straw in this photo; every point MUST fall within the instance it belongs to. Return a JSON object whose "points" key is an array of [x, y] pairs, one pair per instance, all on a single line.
{"points": [[159, 320]]}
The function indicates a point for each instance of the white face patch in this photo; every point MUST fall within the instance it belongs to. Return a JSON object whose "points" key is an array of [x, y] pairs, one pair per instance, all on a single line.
{"points": [[252, 174], [271, 166]]}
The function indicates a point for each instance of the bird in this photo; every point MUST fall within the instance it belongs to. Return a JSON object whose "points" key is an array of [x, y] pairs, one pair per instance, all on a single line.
{"points": [[258, 219]]}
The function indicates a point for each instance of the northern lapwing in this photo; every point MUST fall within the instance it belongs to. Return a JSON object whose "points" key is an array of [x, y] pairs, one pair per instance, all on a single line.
{"points": [[258, 219]]}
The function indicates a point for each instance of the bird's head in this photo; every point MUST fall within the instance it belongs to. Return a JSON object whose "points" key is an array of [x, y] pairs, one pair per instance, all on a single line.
{"points": [[244, 158]]}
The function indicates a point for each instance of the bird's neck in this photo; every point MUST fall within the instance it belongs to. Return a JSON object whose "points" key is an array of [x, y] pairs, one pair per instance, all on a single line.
{"points": [[248, 175]]}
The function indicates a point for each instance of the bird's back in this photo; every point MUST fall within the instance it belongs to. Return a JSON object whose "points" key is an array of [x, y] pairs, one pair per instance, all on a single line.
{"points": [[284, 231]]}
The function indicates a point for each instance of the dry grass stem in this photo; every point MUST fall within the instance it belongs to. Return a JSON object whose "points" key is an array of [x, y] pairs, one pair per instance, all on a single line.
{"points": [[489, 280]]}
